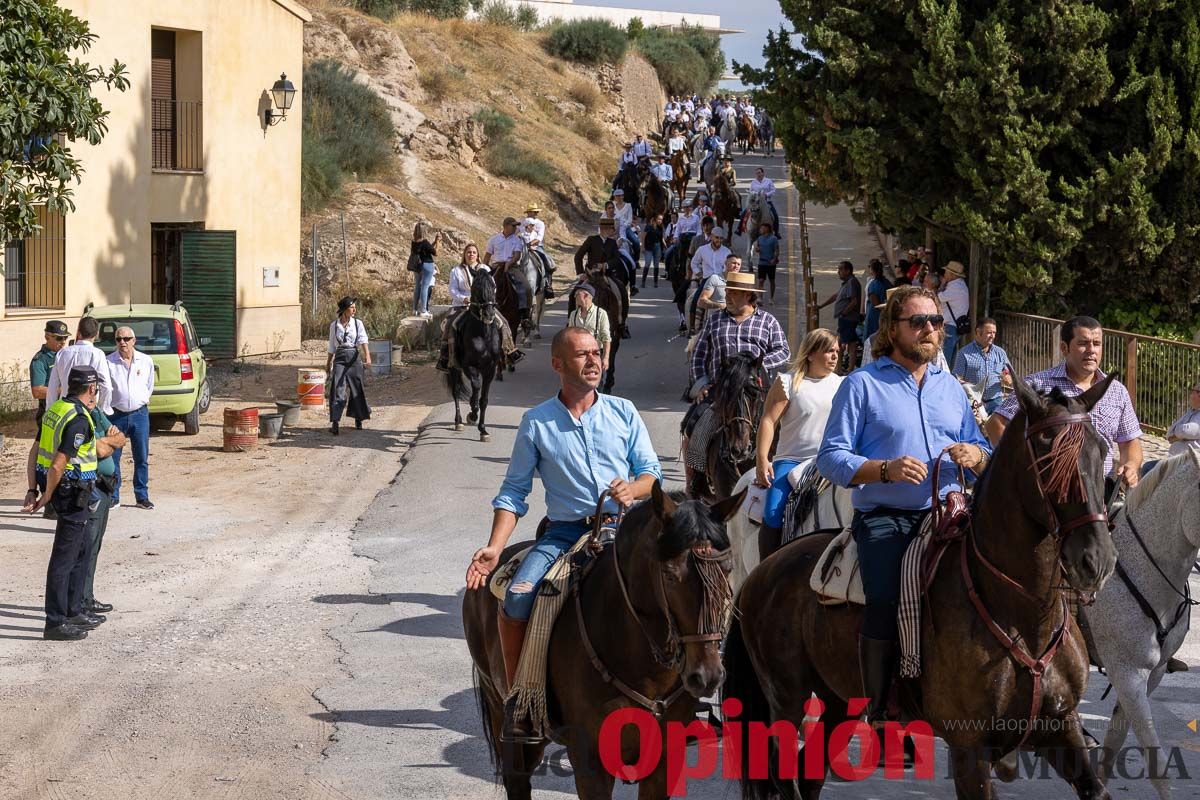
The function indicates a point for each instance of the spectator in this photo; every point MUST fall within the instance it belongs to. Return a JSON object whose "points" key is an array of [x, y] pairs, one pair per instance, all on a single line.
{"points": [[422, 252], [955, 300], [767, 245], [83, 353], [652, 248], [132, 375], [1184, 433], [847, 313], [876, 296], [592, 317], [984, 365]]}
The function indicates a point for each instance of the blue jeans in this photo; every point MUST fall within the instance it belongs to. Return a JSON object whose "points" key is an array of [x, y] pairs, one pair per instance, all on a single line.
{"points": [[135, 425], [882, 535], [558, 538], [951, 343], [778, 494], [423, 287], [650, 257]]}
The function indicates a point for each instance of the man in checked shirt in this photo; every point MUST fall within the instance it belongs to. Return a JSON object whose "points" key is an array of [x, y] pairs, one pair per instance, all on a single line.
{"points": [[1113, 417]]}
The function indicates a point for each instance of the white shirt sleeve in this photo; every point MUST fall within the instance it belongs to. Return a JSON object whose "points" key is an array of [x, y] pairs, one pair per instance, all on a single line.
{"points": [[100, 364], [360, 332], [1188, 430], [333, 343], [698, 263], [460, 289]]}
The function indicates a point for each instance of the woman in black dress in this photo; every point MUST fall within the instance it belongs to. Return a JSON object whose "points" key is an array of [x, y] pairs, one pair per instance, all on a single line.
{"points": [[348, 353]]}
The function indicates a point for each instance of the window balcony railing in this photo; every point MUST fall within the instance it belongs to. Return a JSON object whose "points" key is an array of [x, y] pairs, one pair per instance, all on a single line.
{"points": [[177, 131]]}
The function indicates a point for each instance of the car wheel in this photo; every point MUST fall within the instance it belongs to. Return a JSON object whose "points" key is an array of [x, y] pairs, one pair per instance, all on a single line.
{"points": [[205, 398], [191, 420]]}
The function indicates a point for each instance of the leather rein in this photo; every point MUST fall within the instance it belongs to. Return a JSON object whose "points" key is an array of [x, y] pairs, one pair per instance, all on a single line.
{"points": [[1036, 667], [671, 656]]}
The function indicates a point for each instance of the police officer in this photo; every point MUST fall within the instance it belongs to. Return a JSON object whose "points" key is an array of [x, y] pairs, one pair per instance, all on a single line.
{"points": [[57, 334], [67, 463]]}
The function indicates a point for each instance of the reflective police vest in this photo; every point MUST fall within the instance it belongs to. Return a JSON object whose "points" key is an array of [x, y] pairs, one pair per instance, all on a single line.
{"points": [[83, 465]]}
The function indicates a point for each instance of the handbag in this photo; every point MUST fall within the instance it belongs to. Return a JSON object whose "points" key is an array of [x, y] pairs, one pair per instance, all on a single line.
{"points": [[414, 261]]}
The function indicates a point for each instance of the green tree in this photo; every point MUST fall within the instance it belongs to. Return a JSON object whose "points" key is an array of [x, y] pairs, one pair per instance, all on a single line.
{"points": [[1051, 135], [635, 28], [687, 59], [45, 94]]}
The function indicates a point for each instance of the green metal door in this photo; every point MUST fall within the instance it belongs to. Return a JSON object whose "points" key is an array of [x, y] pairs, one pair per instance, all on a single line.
{"points": [[208, 288]]}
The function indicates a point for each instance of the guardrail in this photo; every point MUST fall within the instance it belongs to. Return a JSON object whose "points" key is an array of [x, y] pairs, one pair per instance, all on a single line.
{"points": [[1158, 373]]}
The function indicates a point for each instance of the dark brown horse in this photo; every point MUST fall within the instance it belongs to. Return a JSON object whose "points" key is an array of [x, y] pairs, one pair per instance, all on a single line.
{"points": [[655, 198], [680, 176], [738, 396], [1038, 526], [747, 133], [653, 608], [609, 300], [508, 304], [726, 203]]}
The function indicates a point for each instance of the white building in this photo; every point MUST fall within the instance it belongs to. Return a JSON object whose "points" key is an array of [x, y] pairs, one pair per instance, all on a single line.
{"points": [[549, 10]]}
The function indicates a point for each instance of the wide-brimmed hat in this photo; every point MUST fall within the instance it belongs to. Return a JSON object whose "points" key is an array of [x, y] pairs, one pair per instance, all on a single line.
{"points": [[955, 268], [533, 208], [608, 222], [888, 296], [741, 282]]}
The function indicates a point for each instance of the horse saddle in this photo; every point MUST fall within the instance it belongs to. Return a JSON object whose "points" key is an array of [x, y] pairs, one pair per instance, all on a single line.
{"points": [[836, 578]]}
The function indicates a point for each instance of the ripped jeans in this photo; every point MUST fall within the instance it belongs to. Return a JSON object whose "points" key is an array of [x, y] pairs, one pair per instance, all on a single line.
{"points": [[558, 538]]}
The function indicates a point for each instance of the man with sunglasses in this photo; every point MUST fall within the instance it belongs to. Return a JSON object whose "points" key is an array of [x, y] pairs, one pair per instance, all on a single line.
{"points": [[890, 423], [56, 333], [132, 375]]}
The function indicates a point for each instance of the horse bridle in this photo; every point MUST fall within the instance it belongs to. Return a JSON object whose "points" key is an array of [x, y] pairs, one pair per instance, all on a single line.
{"points": [[713, 617]]}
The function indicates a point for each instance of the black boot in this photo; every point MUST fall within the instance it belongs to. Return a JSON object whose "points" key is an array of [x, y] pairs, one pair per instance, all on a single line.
{"points": [[876, 658], [768, 540], [1176, 665]]}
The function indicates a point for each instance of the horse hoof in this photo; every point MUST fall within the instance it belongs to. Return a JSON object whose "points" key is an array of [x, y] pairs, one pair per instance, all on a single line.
{"points": [[512, 367], [485, 437], [537, 335], [458, 426], [472, 418]]}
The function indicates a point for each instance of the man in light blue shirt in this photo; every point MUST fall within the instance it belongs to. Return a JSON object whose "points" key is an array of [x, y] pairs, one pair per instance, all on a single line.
{"points": [[984, 365], [890, 422], [581, 443]]}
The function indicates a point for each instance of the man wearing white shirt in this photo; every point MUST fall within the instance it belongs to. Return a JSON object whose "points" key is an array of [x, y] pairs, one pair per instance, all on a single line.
{"points": [[641, 148], [762, 183], [662, 170], [132, 374], [83, 353], [710, 259], [503, 249], [955, 301]]}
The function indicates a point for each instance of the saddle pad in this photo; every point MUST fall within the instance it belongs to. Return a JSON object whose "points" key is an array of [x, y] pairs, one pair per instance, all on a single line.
{"points": [[912, 588], [502, 577], [701, 437], [755, 502], [839, 564]]}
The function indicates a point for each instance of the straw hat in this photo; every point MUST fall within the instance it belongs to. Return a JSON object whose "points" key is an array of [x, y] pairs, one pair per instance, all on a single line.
{"points": [[888, 296], [741, 282], [955, 268], [533, 208]]}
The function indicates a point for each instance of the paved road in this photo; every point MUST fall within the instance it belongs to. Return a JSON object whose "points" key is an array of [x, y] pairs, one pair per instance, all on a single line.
{"points": [[406, 719]]}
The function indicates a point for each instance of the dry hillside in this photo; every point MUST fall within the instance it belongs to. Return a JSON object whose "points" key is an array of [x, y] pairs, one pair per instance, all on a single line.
{"points": [[436, 75]]}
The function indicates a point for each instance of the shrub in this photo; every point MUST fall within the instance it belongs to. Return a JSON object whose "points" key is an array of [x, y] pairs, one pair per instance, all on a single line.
{"points": [[586, 94], [509, 159], [347, 129], [687, 60], [589, 129], [635, 28], [497, 12], [527, 17], [588, 41], [386, 9], [496, 124], [442, 81]]}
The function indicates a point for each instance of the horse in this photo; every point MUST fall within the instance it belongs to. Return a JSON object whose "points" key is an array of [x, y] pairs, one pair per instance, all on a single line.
{"points": [[627, 181], [738, 394], [747, 133], [710, 171], [728, 131], [1139, 620], [1038, 522], [677, 274], [766, 132], [656, 198], [829, 509], [758, 208], [651, 609], [680, 175], [726, 203], [508, 304], [477, 354], [529, 269]]}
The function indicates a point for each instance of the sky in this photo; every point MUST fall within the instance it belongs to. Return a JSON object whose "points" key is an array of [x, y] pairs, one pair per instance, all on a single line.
{"points": [[755, 17]]}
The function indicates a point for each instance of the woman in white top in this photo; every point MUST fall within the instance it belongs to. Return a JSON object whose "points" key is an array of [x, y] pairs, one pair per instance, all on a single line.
{"points": [[622, 211], [799, 403], [348, 353]]}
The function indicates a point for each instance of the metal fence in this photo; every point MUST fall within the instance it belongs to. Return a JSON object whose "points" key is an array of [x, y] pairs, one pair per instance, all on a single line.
{"points": [[177, 135], [1157, 372]]}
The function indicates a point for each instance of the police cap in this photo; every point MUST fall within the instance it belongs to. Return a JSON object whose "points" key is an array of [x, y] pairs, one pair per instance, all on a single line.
{"points": [[81, 378], [57, 327]]}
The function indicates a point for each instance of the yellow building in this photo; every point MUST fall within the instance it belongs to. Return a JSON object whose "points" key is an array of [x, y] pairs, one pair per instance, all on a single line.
{"points": [[193, 195]]}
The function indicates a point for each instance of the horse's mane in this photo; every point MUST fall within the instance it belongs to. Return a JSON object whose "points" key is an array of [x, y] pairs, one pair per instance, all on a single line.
{"points": [[1140, 494], [483, 288], [737, 372]]}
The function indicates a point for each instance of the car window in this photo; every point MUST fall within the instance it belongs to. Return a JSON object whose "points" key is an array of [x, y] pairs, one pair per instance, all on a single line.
{"points": [[154, 335]]}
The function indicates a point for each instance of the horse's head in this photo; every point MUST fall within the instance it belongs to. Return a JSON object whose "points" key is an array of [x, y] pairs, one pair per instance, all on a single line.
{"points": [[1058, 458], [1177, 480], [738, 398], [756, 200], [693, 560]]}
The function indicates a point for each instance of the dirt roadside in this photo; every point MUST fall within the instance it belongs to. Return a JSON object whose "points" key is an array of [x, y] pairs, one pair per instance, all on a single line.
{"points": [[200, 684]]}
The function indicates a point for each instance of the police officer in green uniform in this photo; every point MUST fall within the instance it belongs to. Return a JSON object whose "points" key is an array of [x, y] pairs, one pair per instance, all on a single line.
{"points": [[67, 463], [97, 524], [39, 378]]}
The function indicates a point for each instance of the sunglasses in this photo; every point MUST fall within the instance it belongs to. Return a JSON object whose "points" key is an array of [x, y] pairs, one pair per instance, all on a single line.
{"points": [[918, 321], [61, 338], [124, 338]]}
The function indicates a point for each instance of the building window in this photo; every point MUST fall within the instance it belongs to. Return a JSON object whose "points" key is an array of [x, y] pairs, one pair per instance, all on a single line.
{"points": [[165, 270], [35, 268], [176, 122]]}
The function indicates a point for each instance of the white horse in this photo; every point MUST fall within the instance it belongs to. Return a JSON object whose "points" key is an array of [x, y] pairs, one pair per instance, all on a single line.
{"points": [[531, 272], [1157, 538], [832, 510], [728, 131]]}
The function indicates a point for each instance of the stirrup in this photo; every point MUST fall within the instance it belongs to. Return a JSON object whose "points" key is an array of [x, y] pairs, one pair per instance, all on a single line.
{"points": [[517, 731]]}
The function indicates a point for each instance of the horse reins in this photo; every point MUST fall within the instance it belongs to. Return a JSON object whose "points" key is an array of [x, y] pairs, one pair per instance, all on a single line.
{"points": [[1161, 632], [713, 617]]}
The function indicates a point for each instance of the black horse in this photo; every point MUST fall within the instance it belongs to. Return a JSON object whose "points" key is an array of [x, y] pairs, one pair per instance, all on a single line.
{"points": [[766, 132], [477, 353], [678, 267], [738, 395]]}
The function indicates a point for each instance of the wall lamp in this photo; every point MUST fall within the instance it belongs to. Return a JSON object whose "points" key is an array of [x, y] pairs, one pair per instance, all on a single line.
{"points": [[282, 93]]}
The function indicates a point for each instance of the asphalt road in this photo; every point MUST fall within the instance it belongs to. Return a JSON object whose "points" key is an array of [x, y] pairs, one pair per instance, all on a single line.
{"points": [[407, 724]]}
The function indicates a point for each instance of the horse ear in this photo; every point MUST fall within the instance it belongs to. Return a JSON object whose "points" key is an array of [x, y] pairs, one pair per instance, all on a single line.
{"points": [[664, 506], [724, 510], [1029, 400], [1094, 394]]}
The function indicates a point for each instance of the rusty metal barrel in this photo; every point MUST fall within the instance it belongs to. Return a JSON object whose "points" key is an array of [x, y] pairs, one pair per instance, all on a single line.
{"points": [[241, 430]]}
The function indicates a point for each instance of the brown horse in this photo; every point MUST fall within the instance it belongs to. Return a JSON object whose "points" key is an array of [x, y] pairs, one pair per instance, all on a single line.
{"points": [[997, 603], [726, 203], [641, 630], [680, 176], [747, 133], [508, 304], [656, 198], [738, 395]]}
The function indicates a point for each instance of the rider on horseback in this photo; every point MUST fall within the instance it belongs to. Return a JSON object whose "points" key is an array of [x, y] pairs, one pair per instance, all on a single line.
{"points": [[601, 250], [889, 425], [712, 147], [534, 239], [503, 251], [462, 278], [766, 186], [581, 443]]}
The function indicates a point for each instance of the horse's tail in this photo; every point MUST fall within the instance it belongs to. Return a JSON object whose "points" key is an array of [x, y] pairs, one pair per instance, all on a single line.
{"points": [[457, 386], [742, 683], [485, 716]]}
